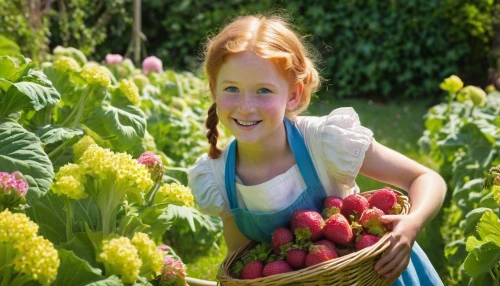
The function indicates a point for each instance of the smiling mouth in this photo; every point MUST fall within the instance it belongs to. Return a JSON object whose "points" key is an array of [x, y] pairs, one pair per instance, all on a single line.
{"points": [[247, 123]]}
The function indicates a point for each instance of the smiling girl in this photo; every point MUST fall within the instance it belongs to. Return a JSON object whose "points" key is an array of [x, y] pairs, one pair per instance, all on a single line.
{"points": [[261, 78]]}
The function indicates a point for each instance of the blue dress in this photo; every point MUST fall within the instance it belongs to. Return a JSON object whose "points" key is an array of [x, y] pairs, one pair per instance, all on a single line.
{"points": [[260, 226]]}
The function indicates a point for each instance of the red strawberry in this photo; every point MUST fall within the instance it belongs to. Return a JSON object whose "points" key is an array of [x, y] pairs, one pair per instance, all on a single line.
{"points": [[296, 258], [253, 270], [281, 236], [276, 267], [332, 205], [371, 223], [386, 200], [318, 254], [325, 242], [354, 205], [366, 240], [307, 224], [338, 230]]}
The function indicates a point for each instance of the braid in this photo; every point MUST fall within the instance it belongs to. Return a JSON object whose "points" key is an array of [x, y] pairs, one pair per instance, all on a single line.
{"points": [[212, 132]]}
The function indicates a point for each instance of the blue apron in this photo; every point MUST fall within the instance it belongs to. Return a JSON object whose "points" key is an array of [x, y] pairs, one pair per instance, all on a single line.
{"points": [[260, 226]]}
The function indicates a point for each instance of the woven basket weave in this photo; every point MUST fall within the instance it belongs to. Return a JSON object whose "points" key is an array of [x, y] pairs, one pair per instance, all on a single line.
{"points": [[352, 269]]}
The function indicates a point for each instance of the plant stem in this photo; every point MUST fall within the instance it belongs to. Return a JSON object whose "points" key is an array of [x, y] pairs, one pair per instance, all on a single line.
{"points": [[69, 219], [156, 187], [21, 279], [56, 151], [7, 271]]}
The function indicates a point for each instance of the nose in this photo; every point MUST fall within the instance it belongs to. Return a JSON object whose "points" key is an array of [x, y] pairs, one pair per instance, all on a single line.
{"points": [[247, 103]]}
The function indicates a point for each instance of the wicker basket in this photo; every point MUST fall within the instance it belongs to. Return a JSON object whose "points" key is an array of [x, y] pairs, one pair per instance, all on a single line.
{"points": [[352, 269]]}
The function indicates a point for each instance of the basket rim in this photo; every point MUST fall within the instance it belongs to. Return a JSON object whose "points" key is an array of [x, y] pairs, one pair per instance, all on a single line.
{"points": [[315, 270]]}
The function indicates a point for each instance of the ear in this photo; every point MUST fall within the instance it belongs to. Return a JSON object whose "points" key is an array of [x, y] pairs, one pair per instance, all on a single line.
{"points": [[295, 96]]}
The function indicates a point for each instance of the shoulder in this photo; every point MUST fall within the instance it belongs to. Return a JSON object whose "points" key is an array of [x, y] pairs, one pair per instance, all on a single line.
{"points": [[206, 181]]}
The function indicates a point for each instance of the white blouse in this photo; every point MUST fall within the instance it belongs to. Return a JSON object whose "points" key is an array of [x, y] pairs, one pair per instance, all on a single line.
{"points": [[337, 144]]}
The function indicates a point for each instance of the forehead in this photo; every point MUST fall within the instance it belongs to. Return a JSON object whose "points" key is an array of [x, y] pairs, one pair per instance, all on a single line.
{"points": [[249, 66]]}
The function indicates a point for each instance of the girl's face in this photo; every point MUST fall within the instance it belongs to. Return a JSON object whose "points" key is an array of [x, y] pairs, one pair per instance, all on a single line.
{"points": [[252, 97]]}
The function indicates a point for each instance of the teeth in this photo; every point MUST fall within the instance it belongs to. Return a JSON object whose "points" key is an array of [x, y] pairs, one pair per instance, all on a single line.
{"points": [[247, 123]]}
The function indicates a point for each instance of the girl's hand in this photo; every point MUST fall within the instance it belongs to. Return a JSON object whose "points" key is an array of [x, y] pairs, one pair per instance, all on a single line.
{"points": [[403, 235]]}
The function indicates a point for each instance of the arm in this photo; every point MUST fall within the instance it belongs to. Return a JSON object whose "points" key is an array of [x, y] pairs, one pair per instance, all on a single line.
{"points": [[232, 235], [426, 190]]}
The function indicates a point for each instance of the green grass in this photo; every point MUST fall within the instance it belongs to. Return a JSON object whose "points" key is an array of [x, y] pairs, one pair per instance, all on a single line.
{"points": [[395, 125]]}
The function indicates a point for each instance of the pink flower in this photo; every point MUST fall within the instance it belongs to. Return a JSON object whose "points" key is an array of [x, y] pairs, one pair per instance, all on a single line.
{"points": [[152, 63], [154, 164], [173, 272], [496, 181], [14, 181], [113, 59]]}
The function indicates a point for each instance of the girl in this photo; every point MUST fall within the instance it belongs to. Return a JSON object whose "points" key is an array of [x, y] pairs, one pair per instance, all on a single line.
{"points": [[261, 77]]}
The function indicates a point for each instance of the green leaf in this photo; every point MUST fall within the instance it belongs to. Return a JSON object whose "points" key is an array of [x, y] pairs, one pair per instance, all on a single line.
{"points": [[49, 134], [32, 91], [482, 259], [472, 219], [8, 47], [110, 281], [13, 68], [489, 227], [75, 271], [48, 212], [127, 125], [488, 202], [21, 151]]}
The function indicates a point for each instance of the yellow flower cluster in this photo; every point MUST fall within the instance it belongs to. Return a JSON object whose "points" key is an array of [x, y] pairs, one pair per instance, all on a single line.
{"points": [[452, 84], [65, 64], [130, 90], [103, 164], [474, 94], [121, 257], [37, 258], [96, 75], [496, 194], [80, 147], [70, 181], [176, 194], [16, 227], [151, 256]]}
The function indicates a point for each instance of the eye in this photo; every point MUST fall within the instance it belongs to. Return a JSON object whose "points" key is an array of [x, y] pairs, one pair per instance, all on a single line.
{"points": [[231, 89], [264, 91]]}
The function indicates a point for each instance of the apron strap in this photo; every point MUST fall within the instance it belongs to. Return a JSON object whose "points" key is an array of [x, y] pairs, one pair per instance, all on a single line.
{"points": [[299, 150]]}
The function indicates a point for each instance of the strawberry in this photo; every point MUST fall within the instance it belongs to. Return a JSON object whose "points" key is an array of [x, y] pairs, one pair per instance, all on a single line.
{"points": [[318, 254], [386, 200], [332, 205], [281, 236], [371, 223], [296, 258], [276, 267], [306, 224], [325, 242], [253, 270], [338, 230], [366, 240], [354, 205]]}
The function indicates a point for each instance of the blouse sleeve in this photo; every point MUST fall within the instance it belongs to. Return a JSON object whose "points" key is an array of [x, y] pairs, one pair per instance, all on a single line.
{"points": [[205, 189], [344, 142]]}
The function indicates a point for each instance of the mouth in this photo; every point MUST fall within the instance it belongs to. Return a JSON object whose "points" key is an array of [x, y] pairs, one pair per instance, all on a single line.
{"points": [[246, 123]]}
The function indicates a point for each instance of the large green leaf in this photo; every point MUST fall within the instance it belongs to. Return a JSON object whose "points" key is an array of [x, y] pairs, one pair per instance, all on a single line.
{"points": [[126, 125], [489, 228], [82, 247], [482, 259], [48, 212], [75, 271], [110, 281], [49, 134], [13, 68], [472, 219], [21, 150], [8, 47], [32, 91]]}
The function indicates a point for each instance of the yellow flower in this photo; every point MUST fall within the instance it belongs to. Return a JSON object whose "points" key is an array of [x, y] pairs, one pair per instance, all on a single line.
{"points": [[38, 259], [176, 194], [452, 84], [496, 194], [70, 181], [122, 258], [474, 94], [80, 147], [16, 227], [151, 256], [96, 75], [130, 90], [65, 64], [102, 163]]}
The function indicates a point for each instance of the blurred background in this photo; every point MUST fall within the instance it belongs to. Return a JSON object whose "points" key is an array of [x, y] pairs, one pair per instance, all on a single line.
{"points": [[385, 58]]}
